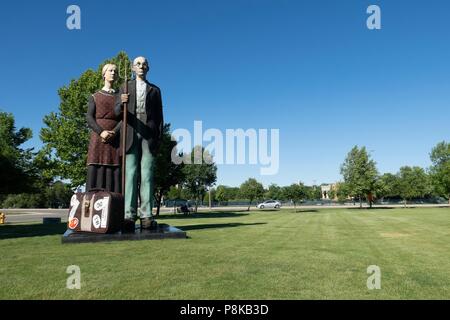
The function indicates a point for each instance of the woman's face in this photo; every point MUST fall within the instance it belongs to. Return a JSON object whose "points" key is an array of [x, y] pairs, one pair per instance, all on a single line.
{"points": [[110, 74]]}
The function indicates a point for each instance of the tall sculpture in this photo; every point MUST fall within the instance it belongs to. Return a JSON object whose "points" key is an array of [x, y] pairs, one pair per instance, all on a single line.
{"points": [[143, 137], [103, 155]]}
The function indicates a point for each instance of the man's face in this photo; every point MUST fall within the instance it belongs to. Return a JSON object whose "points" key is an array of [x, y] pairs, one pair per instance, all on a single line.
{"points": [[140, 66]]}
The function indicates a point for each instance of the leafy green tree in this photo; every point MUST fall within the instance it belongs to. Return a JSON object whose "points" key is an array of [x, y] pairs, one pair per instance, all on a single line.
{"points": [[199, 177], [387, 186], [332, 194], [360, 173], [175, 192], [226, 193], [342, 192], [274, 192], [251, 190], [233, 193], [66, 135], [24, 200], [295, 192], [313, 192], [167, 173], [440, 169], [413, 183], [221, 194], [16, 174], [58, 195]]}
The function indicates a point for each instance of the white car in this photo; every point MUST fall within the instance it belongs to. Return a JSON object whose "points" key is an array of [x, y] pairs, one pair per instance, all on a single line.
{"points": [[269, 204]]}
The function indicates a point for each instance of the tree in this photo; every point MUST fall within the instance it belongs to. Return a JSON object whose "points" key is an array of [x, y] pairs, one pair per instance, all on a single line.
{"points": [[66, 135], [274, 192], [332, 194], [295, 192], [232, 193], [175, 192], [167, 173], [342, 192], [23, 200], [199, 177], [251, 189], [221, 193], [16, 174], [413, 183], [360, 173], [387, 186], [440, 169], [313, 192], [58, 195]]}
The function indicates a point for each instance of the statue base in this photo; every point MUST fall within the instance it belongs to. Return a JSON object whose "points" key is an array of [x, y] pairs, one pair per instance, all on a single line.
{"points": [[162, 231]]}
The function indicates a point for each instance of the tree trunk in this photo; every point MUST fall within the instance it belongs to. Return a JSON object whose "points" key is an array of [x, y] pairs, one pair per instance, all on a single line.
{"points": [[209, 198], [449, 199], [196, 201], [360, 202], [249, 204], [158, 205], [404, 202]]}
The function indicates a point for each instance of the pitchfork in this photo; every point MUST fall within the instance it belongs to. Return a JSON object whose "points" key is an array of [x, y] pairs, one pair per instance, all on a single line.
{"points": [[123, 73]]}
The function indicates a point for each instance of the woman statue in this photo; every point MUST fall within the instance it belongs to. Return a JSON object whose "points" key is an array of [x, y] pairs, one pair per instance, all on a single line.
{"points": [[103, 155]]}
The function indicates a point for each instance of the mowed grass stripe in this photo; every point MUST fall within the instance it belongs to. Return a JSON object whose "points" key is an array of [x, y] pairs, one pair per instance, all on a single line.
{"points": [[287, 254]]}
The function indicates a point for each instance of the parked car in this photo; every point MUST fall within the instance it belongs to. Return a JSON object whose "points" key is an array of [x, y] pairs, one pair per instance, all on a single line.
{"points": [[269, 204]]}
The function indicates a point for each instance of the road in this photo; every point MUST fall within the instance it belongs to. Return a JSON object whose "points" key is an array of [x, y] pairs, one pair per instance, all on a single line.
{"points": [[14, 216]]}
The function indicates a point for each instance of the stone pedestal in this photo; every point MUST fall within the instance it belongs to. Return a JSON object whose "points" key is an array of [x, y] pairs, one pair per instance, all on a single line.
{"points": [[163, 231]]}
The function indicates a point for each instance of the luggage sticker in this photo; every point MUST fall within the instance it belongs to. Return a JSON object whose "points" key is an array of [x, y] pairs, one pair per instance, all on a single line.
{"points": [[105, 212], [74, 203], [99, 204], [73, 223], [96, 221]]}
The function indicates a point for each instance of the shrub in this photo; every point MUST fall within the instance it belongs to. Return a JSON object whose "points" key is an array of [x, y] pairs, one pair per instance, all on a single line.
{"points": [[23, 200]]}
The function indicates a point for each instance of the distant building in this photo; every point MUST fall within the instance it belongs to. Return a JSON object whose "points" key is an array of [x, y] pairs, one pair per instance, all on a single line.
{"points": [[327, 188]]}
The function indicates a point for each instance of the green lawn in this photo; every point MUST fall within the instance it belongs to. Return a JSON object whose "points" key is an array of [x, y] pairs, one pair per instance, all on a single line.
{"points": [[310, 254]]}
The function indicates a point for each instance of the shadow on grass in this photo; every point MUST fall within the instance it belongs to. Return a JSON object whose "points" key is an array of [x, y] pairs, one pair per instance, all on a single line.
{"points": [[217, 225], [306, 210], [373, 208], [31, 230], [214, 214]]}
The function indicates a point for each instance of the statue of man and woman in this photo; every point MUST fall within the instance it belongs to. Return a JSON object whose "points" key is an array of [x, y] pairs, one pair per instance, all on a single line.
{"points": [[143, 137]]}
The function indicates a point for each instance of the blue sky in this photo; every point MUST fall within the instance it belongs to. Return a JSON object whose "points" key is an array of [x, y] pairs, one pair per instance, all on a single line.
{"points": [[311, 69]]}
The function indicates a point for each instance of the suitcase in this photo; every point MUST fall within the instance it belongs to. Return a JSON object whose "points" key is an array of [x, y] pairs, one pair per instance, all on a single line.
{"points": [[96, 211]]}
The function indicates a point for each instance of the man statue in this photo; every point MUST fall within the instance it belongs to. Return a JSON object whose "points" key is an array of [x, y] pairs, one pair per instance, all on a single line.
{"points": [[144, 132]]}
